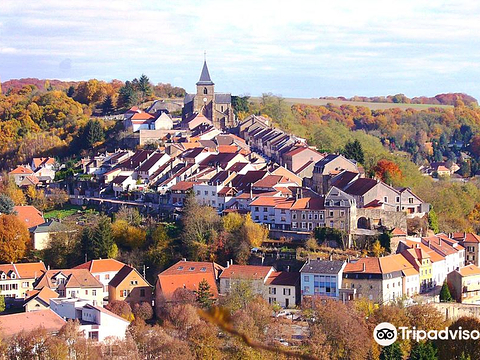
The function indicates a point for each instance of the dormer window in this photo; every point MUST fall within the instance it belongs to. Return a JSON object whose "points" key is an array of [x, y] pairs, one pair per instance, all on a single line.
{"points": [[191, 269], [180, 268], [12, 275], [3, 276], [203, 269]]}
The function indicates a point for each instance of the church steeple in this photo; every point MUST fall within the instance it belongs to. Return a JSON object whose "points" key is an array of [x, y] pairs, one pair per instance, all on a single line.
{"points": [[205, 76]]}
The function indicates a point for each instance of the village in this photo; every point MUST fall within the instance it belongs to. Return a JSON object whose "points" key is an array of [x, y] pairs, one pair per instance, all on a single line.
{"points": [[233, 166]]}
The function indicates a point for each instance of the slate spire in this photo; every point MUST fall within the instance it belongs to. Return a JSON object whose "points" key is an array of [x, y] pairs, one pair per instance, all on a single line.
{"points": [[205, 76]]}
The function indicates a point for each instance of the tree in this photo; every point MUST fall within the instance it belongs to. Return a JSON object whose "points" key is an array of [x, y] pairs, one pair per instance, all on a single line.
{"points": [[14, 238], [127, 96], [144, 86], [455, 348], [204, 294], [253, 232], [93, 133], [433, 221], [240, 295], [6, 204], [102, 240], [107, 105], [445, 295], [385, 239], [353, 150], [2, 303], [63, 250], [388, 171], [423, 350], [143, 311], [201, 225], [377, 249], [391, 352], [120, 308]]}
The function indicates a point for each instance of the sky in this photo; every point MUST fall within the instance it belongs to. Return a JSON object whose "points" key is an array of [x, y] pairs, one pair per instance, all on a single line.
{"points": [[289, 48]]}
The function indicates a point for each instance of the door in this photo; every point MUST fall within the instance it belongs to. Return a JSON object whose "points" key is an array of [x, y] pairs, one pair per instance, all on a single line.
{"points": [[287, 302]]}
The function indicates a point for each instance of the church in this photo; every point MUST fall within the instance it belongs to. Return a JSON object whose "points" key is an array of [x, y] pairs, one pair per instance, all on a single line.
{"points": [[216, 107]]}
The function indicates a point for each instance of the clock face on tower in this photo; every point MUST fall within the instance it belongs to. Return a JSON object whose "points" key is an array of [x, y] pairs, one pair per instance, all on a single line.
{"points": [[205, 100]]}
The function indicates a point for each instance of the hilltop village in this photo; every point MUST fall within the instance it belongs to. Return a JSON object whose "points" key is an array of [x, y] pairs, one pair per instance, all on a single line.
{"points": [[375, 236]]}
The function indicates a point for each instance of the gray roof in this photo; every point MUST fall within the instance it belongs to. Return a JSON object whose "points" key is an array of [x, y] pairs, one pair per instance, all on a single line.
{"points": [[188, 98], [205, 76], [50, 226], [223, 98], [323, 266]]}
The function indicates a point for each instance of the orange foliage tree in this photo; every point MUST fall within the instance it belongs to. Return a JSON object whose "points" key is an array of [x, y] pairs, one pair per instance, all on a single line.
{"points": [[387, 171], [14, 238]]}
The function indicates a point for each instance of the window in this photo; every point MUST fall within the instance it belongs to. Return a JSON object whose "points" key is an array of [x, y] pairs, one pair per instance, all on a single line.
{"points": [[265, 217], [294, 224], [134, 282], [198, 192], [265, 209], [410, 200], [93, 335], [397, 199], [385, 199], [342, 213], [180, 268], [304, 225], [94, 292], [203, 269], [303, 216], [282, 211], [306, 278], [86, 292], [191, 268], [256, 208], [142, 292], [206, 192], [107, 276], [315, 216], [205, 91], [287, 292], [294, 216], [309, 216], [272, 291], [222, 108], [25, 284], [330, 213], [124, 293], [331, 223], [256, 217]]}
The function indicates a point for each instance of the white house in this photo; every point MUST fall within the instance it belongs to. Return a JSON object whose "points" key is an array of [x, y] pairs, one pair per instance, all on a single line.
{"points": [[103, 270], [322, 278], [96, 323]]}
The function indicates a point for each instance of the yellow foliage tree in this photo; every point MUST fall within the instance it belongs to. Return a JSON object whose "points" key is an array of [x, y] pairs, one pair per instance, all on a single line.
{"points": [[14, 238], [232, 222], [377, 249], [254, 233]]}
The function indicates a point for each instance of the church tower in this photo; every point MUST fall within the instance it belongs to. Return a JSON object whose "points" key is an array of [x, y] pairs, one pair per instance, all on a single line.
{"points": [[205, 97]]}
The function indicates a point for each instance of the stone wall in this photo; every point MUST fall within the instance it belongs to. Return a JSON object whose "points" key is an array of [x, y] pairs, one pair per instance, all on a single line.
{"points": [[453, 311], [389, 219]]}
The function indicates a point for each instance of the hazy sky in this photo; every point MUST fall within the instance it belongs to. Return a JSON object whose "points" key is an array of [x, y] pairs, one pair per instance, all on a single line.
{"points": [[293, 48]]}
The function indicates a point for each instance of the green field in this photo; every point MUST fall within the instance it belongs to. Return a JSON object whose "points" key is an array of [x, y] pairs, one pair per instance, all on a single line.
{"points": [[66, 211], [371, 105]]}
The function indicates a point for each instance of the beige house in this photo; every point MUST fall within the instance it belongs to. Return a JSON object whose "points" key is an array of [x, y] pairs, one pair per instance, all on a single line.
{"points": [[464, 284], [41, 234], [72, 283], [39, 299], [471, 243], [283, 288], [128, 285], [17, 279], [256, 276], [329, 167]]}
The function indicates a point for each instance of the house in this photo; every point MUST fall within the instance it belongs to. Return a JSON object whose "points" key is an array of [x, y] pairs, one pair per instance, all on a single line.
{"points": [[42, 162], [327, 168], [412, 204], [421, 261], [96, 322], [41, 234], [452, 251], [20, 173], [151, 165], [374, 279], [128, 285], [365, 191], [39, 299], [103, 270], [299, 157], [29, 215], [283, 288], [17, 279], [72, 283], [186, 275], [322, 278], [464, 284], [471, 243], [256, 276], [123, 183], [15, 324]]}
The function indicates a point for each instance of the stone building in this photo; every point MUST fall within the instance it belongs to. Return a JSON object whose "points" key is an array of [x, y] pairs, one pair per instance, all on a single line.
{"points": [[216, 107]]}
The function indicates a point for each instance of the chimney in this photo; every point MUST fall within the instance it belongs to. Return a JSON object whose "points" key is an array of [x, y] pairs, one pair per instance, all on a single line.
{"points": [[439, 241], [184, 259], [288, 268], [330, 257], [363, 267]]}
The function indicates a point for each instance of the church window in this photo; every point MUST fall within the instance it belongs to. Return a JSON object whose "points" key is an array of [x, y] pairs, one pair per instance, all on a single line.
{"points": [[205, 90]]}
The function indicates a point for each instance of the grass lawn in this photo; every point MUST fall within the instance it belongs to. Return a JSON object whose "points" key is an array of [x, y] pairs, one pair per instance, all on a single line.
{"points": [[66, 211]]}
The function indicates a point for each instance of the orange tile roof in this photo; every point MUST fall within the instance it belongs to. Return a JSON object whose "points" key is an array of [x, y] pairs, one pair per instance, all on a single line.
{"points": [[45, 294], [187, 275], [30, 270], [101, 265], [469, 270], [398, 232], [76, 278], [434, 256], [142, 116], [21, 170], [29, 321], [183, 185], [309, 203], [246, 272], [372, 266], [43, 161], [30, 215], [466, 237], [283, 278], [396, 262], [227, 148]]}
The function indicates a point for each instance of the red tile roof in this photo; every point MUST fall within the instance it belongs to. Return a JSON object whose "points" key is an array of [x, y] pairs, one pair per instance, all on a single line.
{"points": [[283, 278], [43, 161], [183, 185], [101, 265], [21, 170], [469, 270], [364, 265], [30, 215], [246, 272], [466, 237], [76, 278], [360, 186], [142, 116]]}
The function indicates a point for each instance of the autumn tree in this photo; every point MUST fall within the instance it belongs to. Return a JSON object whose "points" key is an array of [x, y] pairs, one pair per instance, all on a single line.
{"points": [[143, 311], [253, 232], [388, 171], [63, 250], [204, 294], [2, 303], [201, 225], [6, 204], [240, 295], [128, 236], [120, 308], [377, 249], [455, 348], [160, 249], [14, 238]]}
